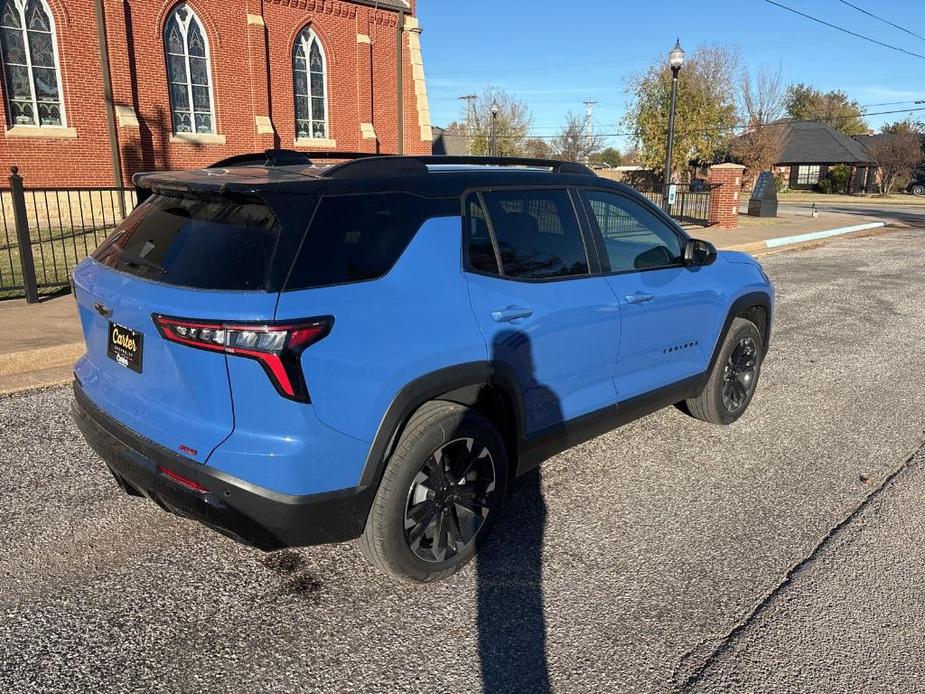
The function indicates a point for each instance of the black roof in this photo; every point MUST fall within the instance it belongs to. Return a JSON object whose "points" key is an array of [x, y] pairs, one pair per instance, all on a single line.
{"points": [[447, 143], [809, 142], [435, 176]]}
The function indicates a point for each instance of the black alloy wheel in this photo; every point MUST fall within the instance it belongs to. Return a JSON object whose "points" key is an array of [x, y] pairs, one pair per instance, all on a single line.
{"points": [[739, 374], [448, 501]]}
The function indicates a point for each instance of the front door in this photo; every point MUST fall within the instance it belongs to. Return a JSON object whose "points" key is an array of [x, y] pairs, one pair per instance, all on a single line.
{"points": [[669, 309], [543, 314]]}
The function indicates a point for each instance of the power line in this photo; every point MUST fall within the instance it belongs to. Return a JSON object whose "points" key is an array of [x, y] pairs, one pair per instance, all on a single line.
{"points": [[885, 21], [847, 31], [710, 131]]}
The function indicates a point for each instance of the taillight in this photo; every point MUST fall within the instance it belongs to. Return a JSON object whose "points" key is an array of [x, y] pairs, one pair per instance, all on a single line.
{"points": [[277, 346]]}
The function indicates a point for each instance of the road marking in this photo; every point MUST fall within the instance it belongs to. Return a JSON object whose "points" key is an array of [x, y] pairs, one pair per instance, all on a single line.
{"points": [[812, 236]]}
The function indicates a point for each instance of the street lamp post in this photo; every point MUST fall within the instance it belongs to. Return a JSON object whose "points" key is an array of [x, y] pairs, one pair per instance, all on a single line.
{"points": [[494, 129], [675, 61]]}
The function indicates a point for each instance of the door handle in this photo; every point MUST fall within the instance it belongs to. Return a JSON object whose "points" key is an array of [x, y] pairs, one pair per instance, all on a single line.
{"points": [[639, 298], [511, 313]]}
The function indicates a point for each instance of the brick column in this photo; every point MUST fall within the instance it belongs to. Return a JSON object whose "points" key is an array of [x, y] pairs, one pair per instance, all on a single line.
{"points": [[724, 198], [257, 57], [369, 141]]}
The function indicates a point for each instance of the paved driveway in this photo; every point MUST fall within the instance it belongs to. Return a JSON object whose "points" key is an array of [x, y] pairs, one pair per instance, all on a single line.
{"points": [[650, 559]]}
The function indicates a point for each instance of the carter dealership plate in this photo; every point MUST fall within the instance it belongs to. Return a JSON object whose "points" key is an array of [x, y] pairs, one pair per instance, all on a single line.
{"points": [[125, 346]]}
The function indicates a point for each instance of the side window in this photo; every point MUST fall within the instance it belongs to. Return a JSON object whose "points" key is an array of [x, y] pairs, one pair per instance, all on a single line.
{"points": [[479, 249], [635, 239], [359, 237], [537, 233]]}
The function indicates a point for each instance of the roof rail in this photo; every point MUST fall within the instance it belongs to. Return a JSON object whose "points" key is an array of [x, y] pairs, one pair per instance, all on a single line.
{"points": [[282, 157], [384, 166]]}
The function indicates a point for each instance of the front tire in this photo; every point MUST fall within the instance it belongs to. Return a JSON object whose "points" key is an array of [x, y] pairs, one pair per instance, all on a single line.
{"points": [[734, 376], [918, 189], [439, 495]]}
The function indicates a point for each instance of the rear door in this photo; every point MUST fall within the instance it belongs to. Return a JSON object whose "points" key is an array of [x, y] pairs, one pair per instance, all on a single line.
{"points": [[543, 312], [182, 256], [669, 309]]}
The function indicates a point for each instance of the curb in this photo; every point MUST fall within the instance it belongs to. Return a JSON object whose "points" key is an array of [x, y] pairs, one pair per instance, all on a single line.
{"points": [[771, 244], [38, 368]]}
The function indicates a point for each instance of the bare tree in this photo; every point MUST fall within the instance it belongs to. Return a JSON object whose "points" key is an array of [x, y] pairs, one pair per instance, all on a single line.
{"points": [[511, 123], [577, 141], [762, 102], [897, 154]]}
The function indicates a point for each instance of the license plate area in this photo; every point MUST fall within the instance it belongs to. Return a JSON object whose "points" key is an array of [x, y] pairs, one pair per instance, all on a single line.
{"points": [[124, 346]]}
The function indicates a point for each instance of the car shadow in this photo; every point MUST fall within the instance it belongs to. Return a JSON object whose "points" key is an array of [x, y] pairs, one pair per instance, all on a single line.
{"points": [[511, 618]]}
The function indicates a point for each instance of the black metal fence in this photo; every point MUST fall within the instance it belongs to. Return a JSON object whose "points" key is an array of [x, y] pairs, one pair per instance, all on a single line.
{"points": [[691, 205], [45, 232]]}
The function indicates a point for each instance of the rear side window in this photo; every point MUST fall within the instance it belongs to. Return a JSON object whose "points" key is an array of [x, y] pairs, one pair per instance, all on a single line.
{"points": [[480, 250], [205, 242], [537, 233], [353, 238]]}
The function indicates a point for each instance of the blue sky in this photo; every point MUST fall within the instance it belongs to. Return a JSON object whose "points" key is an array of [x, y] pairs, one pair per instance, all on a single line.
{"points": [[555, 54]]}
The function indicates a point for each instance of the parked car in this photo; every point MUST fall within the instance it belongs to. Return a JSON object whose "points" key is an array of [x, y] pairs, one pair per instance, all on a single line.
{"points": [[917, 185], [300, 353]]}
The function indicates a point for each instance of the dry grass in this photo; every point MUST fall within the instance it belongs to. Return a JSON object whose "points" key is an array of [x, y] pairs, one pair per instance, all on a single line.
{"points": [[891, 199]]}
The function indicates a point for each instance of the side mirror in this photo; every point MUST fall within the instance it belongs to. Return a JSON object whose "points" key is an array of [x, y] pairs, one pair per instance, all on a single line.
{"points": [[697, 252]]}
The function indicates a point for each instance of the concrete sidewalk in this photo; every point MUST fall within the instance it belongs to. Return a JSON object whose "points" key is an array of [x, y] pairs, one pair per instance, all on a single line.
{"points": [[762, 235], [39, 343]]}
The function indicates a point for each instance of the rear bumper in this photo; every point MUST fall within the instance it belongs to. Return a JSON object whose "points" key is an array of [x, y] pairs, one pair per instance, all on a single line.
{"points": [[250, 514]]}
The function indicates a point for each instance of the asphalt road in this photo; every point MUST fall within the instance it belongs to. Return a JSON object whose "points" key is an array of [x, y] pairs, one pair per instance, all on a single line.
{"points": [[854, 213], [784, 553]]}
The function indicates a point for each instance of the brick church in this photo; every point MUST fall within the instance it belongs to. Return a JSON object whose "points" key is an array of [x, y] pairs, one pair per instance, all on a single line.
{"points": [[194, 81]]}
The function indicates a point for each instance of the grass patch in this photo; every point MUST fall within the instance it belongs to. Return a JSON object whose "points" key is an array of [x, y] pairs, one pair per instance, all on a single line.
{"points": [[54, 257]]}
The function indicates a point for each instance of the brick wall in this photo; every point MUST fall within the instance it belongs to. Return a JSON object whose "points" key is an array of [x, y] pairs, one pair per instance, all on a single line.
{"points": [[251, 58]]}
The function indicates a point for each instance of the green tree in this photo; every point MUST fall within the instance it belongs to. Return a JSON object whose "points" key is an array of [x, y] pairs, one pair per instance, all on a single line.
{"points": [[705, 113], [903, 127], [537, 148], [833, 108], [609, 156]]}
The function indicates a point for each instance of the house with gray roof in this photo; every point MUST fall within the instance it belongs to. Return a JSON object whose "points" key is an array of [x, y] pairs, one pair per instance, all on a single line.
{"points": [[810, 149]]}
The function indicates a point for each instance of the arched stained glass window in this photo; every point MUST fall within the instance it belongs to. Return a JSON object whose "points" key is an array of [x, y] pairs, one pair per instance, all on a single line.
{"points": [[30, 63], [189, 71], [310, 79]]}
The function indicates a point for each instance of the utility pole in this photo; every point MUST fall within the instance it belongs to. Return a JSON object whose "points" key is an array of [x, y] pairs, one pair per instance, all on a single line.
{"points": [[589, 109], [470, 118]]}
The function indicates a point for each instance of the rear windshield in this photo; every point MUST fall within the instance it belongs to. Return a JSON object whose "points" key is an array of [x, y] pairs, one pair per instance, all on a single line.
{"points": [[205, 242], [353, 238]]}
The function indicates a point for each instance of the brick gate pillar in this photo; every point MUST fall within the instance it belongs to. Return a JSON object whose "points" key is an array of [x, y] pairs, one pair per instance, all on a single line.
{"points": [[257, 49], [724, 198]]}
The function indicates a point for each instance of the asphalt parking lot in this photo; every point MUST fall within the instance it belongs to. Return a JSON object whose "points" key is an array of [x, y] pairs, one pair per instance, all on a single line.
{"points": [[784, 553]]}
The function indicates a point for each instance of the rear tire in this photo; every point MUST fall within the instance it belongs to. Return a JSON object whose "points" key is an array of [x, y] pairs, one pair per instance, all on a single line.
{"points": [[439, 495], [734, 376], [918, 189]]}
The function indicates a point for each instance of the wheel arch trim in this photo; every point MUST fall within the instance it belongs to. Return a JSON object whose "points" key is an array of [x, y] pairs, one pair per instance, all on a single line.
{"points": [[742, 303], [429, 387]]}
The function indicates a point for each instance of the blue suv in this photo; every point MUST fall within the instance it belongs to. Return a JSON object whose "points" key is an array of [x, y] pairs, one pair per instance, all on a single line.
{"points": [[294, 351]]}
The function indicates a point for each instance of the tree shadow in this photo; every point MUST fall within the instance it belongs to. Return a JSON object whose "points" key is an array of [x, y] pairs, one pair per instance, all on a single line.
{"points": [[511, 619]]}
